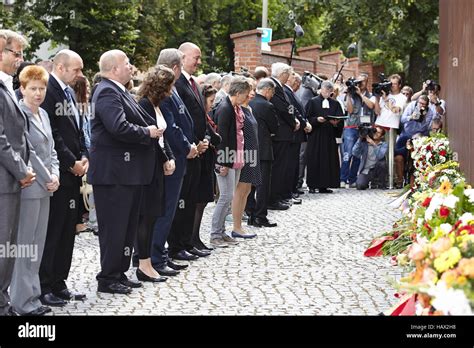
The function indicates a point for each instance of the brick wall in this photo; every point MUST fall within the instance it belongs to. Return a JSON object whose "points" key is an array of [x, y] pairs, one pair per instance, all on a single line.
{"points": [[248, 53]]}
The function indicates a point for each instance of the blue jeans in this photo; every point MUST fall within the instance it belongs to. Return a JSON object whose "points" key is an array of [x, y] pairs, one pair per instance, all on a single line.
{"points": [[349, 168], [159, 254]]}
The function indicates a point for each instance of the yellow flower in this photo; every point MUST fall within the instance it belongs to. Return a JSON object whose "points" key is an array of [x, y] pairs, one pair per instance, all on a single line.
{"points": [[466, 267], [447, 259], [462, 280], [449, 277], [445, 187]]}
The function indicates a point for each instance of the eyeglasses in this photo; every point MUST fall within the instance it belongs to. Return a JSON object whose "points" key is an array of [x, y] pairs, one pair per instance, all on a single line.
{"points": [[406, 94], [18, 54]]}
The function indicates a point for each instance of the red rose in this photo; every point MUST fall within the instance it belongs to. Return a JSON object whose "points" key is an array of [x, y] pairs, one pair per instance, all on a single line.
{"points": [[444, 212], [428, 228], [428, 147], [442, 152], [426, 202]]}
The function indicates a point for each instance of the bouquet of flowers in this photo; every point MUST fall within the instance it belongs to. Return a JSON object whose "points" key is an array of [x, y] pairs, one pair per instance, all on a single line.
{"points": [[430, 151]]}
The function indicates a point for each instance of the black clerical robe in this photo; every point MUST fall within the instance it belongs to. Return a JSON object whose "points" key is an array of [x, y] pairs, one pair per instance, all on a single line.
{"points": [[322, 157]]}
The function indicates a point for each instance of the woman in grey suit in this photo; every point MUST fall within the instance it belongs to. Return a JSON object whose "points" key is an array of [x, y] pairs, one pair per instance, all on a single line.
{"points": [[34, 209]]}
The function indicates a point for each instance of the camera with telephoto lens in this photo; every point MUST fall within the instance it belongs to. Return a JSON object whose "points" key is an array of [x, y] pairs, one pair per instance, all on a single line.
{"points": [[384, 85], [419, 114], [365, 128], [309, 80], [351, 84]]}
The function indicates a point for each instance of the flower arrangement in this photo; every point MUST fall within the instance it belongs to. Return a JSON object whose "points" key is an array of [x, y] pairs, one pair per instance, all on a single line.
{"points": [[434, 239]]}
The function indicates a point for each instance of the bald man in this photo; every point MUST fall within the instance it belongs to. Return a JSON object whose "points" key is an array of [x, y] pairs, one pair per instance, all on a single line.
{"points": [[66, 124], [123, 155]]}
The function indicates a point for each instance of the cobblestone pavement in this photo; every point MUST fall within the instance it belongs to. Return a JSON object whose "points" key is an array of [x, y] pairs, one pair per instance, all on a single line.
{"points": [[311, 264]]}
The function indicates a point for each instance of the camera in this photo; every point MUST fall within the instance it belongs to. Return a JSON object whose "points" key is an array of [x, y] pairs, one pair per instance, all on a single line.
{"points": [[351, 84], [309, 80], [365, 128], [431, 85], [419, 114], [384, 85]]}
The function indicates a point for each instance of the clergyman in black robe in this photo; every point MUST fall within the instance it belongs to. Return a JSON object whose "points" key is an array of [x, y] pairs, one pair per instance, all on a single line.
{"points": [[322, 157]]}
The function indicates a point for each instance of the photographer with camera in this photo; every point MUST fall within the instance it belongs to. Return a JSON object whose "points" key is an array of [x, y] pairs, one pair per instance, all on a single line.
{"points": [[432, 89], [389, 102], [371, 150], [359, 102], [416, 119]]}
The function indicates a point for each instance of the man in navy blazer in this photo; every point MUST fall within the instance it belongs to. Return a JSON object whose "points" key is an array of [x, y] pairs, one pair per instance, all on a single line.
{"points": [[122, 157], [180, 136], [69, 144]]}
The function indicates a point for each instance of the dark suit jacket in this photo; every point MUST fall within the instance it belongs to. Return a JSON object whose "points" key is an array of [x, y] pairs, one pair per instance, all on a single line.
{"points": [[195, 105], [299, 136], [286, 117], [14, 151], [267, 120], [122, 152], [69, 139], [227, 129]]}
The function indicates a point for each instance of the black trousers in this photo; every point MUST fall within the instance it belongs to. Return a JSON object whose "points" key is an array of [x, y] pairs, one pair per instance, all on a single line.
{"points": [[279, 168], [181, 233], [292, 173], [59, 244], [118, 208], [263, 190]]}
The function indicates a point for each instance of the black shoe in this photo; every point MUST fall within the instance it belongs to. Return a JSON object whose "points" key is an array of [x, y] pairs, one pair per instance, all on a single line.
{"points": [[42, 310], [278, 206], [264, 223], [295, 195], [167, 271], [129, 282], [199, 253], [287, 202], [201, 246], [299, 191], [114, 288], [323, 190], [176, 266], [297, 200], [52, 300], [67, 295], [11, 313], [183, 255], [146, 278], [312, 190]]}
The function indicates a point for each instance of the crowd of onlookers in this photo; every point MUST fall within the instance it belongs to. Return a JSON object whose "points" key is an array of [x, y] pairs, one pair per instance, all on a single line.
{"points": [[157, 153]]}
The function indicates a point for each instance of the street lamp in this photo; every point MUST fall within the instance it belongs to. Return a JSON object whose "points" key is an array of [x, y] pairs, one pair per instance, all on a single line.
{"points": [[298, 32]]}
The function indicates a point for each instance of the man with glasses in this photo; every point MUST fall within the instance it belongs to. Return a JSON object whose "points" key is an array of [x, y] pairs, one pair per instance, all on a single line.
{"points": [[14, 155]]}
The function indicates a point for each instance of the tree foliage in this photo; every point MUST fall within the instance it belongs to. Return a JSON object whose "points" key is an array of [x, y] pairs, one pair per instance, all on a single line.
{"points": [[401, 34]]}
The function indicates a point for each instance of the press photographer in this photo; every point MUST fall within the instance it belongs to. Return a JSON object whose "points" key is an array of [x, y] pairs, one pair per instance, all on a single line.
{"points": [[371, 150], [432, 89], [416, 119], [359, 105]]}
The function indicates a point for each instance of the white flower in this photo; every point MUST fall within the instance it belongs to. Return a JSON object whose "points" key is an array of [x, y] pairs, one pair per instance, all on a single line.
{"points": [[442, 159], [428, 155], [449, 301], [446, 228], [450, 201], [419, 222], [469, 193], [466, 217]]}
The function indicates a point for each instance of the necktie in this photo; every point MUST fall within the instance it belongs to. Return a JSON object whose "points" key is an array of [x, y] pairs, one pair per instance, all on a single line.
{"points": [[70, 101], [194, 87]]}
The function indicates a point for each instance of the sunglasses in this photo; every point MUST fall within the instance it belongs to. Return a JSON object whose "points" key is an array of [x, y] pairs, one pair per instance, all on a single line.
{"points": [[17, 54]]}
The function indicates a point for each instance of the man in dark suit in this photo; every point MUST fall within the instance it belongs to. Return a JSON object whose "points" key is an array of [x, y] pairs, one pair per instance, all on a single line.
{"points": [[14, 155], [281, 141], [267, 120], [180, 135], [181, 238], [123, 159], [299, 136], [73, 164]]}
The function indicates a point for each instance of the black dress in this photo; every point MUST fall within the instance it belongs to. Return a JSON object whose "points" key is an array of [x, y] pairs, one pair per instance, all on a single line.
{"points": [[321, 154], [251, 171]]}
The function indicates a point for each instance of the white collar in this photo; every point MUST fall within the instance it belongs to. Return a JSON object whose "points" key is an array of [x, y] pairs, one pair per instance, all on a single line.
{"points": [[61, 83], [122, 87], [278, 81], [188, 76], [8, 81]]}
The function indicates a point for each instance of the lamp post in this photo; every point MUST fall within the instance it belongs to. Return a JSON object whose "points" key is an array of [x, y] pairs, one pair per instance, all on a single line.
{"points": [[298, 32]]}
